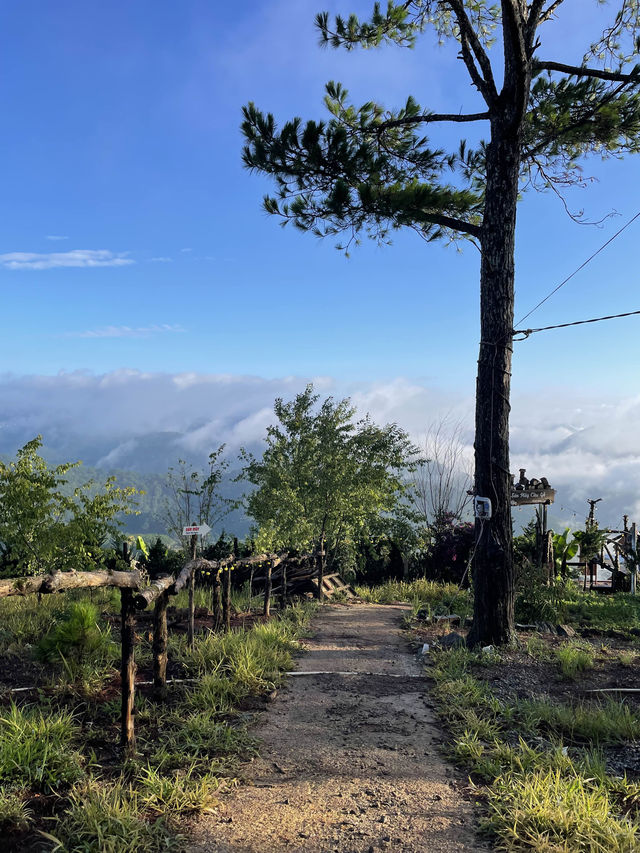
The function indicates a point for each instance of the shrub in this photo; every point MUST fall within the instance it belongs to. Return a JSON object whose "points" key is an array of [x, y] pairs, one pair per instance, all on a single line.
{"points": [[77, 637]]}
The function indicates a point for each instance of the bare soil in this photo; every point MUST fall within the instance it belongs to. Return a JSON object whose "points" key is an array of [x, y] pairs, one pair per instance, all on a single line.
{"points": [[350, 759]]}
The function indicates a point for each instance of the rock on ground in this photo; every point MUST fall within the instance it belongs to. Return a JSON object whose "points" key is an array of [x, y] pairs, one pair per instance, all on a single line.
{"points": [[349, 762]]}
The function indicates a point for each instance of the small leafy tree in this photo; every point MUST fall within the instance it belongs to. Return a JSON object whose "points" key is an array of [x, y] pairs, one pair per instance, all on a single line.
{"points": [[47, 527], [194, 495], [324, 478]]}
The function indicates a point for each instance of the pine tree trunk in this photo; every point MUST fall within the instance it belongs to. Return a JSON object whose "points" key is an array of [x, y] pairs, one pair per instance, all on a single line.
{"points": [[493, 573]]}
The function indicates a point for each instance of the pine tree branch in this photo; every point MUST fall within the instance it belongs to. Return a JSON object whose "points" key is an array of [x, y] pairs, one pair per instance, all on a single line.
{"points": [[454, 223], [570, 128], [584, 71], [432, 117], [472, 47], [548, 12]]}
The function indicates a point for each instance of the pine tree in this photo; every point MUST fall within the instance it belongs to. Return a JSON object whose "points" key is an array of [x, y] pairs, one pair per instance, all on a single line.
{"points": [[367, 170]]}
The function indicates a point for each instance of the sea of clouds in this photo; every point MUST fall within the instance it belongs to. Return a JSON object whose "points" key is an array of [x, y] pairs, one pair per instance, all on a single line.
{"points": [[588, 447]]}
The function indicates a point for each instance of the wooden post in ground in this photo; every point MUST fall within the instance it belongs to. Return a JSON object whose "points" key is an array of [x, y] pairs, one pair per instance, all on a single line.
{"points": [[128, 670], [216, 600], [634, 557], [267, 589], [160, 639], [191, 626], [283, 591], [321, 570]]}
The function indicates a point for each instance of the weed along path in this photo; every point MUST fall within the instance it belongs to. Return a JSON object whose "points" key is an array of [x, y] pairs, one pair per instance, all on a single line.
{"points": [[349, 760]]}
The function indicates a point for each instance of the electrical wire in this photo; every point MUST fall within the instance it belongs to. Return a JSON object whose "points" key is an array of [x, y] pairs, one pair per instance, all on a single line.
{"points": [[581, 267], [527, 332]]}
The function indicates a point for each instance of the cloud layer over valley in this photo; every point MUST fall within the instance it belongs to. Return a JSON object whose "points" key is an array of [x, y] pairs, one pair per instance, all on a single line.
{"points": [[128, 419]]}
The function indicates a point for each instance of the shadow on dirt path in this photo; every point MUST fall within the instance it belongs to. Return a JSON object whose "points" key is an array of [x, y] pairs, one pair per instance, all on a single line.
{"points": [[349, 758]]}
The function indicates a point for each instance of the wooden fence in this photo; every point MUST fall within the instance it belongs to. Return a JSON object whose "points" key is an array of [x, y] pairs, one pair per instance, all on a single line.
{"points": [[137, 595]]}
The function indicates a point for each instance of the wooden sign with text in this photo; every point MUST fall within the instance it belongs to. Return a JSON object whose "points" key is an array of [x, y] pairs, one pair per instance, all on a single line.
{"points": [[532, 496]]}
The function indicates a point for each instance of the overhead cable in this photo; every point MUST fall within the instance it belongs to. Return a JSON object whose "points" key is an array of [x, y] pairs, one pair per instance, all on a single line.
{"points": [[527, 332], [581, 267]]}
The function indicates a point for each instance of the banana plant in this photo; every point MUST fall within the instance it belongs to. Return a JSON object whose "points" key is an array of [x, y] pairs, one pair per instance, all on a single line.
{"points": [[564, 550]]}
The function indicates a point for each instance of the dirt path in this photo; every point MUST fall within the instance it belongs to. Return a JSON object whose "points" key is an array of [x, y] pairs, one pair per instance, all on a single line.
{"points": [[349, 762]]}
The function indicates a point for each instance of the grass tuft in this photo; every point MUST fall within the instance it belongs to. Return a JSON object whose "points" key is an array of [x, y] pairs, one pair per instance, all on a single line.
{"points": [[36, 749], [574, 659]]}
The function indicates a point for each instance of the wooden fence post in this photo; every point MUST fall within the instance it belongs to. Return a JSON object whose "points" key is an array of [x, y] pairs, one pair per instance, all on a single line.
{"points": [[267, 589], [283, 591], [160, 639], [226, 599], [321, 570], [128, 670], [216, 599], [191, 625]]}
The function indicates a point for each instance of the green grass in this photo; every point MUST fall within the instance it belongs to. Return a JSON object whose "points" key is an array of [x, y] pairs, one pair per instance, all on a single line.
{"points": [[542, 795], [109, 818], [36, 749], [609, 722], [14, 814], [186, 749], [438, 598], [574, 658], [548, 810]]}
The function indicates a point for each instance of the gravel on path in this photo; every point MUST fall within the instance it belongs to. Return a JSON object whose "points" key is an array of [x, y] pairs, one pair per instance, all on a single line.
{"points": [[349, 763]]}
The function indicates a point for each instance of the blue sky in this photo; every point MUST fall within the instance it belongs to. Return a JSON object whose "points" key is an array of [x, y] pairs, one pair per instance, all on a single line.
{"points": [[121, 136], [133, 243]]}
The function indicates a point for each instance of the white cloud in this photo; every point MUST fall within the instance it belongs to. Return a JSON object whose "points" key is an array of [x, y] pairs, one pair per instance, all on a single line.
{"points": [[127, 331], [161, 260], [74, 258], [186, 250], [55, 237], [587, 447]]}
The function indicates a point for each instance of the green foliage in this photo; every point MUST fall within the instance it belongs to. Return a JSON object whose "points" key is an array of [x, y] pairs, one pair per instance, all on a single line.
{"points": [[548, 810], [43, 527], [324, 479], [564, 550], [36, 749], [14, 813], [159, 559], [611, 722], [77, 636], [369, 169], [590, 542]]}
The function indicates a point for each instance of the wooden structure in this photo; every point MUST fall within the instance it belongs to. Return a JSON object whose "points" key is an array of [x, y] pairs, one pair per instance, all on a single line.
{"points": [[136, 594]]}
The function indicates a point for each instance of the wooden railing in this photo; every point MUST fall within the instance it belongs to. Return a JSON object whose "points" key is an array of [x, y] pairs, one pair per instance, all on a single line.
{"points": [[136, 595]]}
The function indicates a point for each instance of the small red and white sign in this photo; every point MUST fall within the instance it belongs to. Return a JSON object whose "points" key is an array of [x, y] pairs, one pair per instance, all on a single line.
{"points": [[196, 530]]}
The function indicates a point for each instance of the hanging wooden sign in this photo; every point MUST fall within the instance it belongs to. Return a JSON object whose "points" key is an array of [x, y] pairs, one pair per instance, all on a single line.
{"points": [[532, 496]]}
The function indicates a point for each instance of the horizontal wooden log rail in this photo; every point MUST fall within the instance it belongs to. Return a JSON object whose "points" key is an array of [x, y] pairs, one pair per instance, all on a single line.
{"points": [[59, 581], [137, 595]]}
